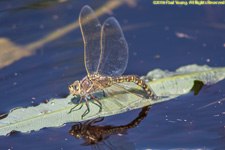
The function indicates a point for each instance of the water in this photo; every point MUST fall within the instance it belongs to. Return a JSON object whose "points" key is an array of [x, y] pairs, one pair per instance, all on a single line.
{"points": [[180, 35]]}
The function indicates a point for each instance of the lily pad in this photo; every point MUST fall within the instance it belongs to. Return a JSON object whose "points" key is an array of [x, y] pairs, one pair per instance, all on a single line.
{"points": [[55, 113]]}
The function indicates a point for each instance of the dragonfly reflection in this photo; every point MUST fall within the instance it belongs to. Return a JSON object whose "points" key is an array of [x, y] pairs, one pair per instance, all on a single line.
{"points": [[98, 136]]}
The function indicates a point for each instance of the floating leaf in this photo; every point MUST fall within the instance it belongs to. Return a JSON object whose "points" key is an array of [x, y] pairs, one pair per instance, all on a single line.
{"points": [[55, 112]]}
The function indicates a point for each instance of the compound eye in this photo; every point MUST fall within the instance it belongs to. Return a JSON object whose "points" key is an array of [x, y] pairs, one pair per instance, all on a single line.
{"points": [[76, 87]]}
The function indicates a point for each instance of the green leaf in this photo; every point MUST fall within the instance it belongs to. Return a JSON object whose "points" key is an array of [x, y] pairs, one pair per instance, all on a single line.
{"points": [[166, 84]]}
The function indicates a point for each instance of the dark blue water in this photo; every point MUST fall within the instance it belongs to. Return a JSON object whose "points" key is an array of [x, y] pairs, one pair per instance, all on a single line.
{"points": [[180, 35]]}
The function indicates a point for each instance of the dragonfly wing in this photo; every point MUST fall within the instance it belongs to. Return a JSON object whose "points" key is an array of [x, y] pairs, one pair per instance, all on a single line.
{"points": [[91, 32], [114, 49]]}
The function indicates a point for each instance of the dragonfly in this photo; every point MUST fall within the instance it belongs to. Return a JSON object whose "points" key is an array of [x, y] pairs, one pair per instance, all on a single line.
{"points": [[105, 59]]}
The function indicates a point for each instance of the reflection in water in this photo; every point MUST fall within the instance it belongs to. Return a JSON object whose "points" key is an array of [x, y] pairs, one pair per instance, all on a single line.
{"points": [[106, 136]]}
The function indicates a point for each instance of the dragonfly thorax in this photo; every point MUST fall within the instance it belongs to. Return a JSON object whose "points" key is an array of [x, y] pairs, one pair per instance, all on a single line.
{"points": [[85, 86], [81, 87]]}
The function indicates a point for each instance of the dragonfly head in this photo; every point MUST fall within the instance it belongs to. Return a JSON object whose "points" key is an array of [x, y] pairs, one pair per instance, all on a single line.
{"points": [[75, 88]]}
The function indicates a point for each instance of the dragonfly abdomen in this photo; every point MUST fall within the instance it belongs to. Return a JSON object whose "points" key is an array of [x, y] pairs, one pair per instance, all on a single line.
{"points": [[138, 81]]}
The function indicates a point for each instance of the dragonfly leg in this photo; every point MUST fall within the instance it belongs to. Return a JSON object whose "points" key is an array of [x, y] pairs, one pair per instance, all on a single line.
{"points": [[96, 121], [92, 96], [88, 108], [76, 105]]}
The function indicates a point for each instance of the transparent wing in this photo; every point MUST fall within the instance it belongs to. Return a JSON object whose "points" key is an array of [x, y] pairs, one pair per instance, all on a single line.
{"points": [[119, 94], [91, 32], [114, 49]]}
